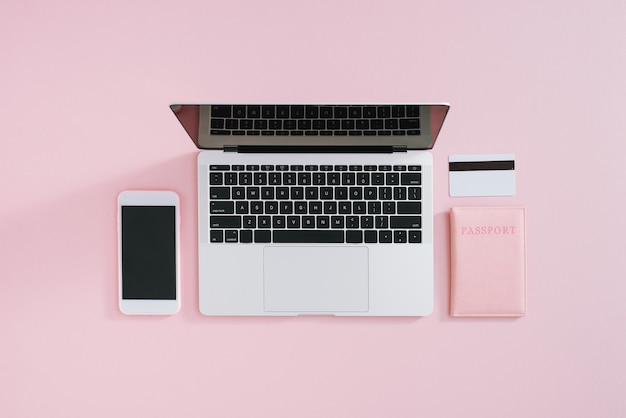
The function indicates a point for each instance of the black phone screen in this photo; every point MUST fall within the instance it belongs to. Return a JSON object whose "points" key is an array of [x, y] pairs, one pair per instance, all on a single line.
{"points": [[148, 252]]}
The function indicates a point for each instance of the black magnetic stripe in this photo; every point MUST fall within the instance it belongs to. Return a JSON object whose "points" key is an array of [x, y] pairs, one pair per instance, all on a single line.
{"points": [[482, 165]]}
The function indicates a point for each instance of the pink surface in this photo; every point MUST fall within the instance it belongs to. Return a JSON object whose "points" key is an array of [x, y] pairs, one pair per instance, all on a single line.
{"points": [[84, 114]]}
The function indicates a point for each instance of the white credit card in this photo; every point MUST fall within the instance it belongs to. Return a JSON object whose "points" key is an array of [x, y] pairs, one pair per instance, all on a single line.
{"points": [[482, 174]]}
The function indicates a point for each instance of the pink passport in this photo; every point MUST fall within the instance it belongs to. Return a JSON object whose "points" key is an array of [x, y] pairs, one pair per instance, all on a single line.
{"points": [[488, 261]]}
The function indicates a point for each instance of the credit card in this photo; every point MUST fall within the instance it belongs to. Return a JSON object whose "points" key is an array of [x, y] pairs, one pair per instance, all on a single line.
{"points": [[482, 175]]}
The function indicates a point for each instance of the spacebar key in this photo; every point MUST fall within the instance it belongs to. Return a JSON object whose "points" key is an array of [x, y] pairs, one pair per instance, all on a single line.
{"points": [[299, 236]]}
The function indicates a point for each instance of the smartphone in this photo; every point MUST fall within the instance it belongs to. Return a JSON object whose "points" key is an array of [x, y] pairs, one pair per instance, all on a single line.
{"points": [[148, 252]]}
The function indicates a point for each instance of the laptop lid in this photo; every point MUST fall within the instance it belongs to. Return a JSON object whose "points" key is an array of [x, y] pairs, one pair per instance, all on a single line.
{"points": [[196, 120]]}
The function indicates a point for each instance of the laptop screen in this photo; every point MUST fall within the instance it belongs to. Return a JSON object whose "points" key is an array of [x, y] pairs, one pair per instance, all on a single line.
{"points": [[408, 126]]}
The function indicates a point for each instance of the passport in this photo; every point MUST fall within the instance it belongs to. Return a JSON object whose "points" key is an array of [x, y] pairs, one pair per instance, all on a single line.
{"points": [[488, 261]]}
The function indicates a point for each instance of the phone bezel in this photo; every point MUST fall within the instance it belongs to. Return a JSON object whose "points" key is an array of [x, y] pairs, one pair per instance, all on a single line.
{"points": [[148, 198]]}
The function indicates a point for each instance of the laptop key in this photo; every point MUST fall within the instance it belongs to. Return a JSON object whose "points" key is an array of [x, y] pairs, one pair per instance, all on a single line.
{"points": [[249, 222], [224, 207], [297, 111], [392, 179], [341, 193], [415, 236], [312, 112], [300, 208], [264, 221], [230, 235], [267, 193], [337, 222], [245, 236], [311, 193], [385, 236], [252, 193], [359, 208], [399, 236], [217, 235], [260, 178], [297, 193], [412, 111], [415, 193], [409, 207], [345, 208], [230, 179], [293, 222], [219, 192], [367, 222], [397, 111], [409, 123], [282, 193], [371, 237], [354, 237], [389, 208], [268, 111], [256, 208], [323, 221], [374, 207], [262, 236], [278, 221], [271, 207], [221, 111], [216, 178], [412, 178], [286, 207], [308, 236], [352, 222], [326, 193], [385, 193], [282, 112], [239, 193], [245, 179], [399, 193], [239, 111], [308, 222], [384, 111], [218, 221], [405, 222]]}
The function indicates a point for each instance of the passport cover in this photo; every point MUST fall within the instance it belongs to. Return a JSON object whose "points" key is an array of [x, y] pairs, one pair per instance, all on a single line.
{"points": [[488, 261]]}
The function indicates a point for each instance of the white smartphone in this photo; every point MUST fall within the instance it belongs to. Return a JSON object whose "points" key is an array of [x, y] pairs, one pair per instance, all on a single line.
{"points": [[148, 252]]}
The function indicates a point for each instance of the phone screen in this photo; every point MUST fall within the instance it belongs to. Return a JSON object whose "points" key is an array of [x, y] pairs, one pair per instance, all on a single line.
{"points": [[148, 252]]}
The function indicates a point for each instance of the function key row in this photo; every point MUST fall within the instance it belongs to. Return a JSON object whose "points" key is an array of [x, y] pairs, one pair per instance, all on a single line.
{"points": [[296, 167], [305, 178]]}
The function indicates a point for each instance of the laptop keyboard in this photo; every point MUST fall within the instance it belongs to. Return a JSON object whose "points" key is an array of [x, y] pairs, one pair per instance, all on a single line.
{"points": [[314, 120], [315, 204]]}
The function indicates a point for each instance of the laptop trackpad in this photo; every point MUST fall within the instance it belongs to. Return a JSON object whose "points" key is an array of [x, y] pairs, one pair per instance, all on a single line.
{"points": [[316, 279]]}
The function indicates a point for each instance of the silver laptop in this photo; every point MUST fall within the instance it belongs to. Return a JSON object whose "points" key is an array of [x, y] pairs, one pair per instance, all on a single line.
{"points": [[315, 209]]}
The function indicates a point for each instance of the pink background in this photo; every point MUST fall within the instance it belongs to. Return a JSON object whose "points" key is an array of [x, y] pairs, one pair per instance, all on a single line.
{"points": [[85, 89]]}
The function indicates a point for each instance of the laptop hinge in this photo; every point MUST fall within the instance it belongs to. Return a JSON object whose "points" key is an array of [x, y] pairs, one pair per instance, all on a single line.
{"points": [[281, 149]]}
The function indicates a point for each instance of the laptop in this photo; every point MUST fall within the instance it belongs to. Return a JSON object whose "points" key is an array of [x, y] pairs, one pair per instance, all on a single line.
{"points": [[315, 209]]}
